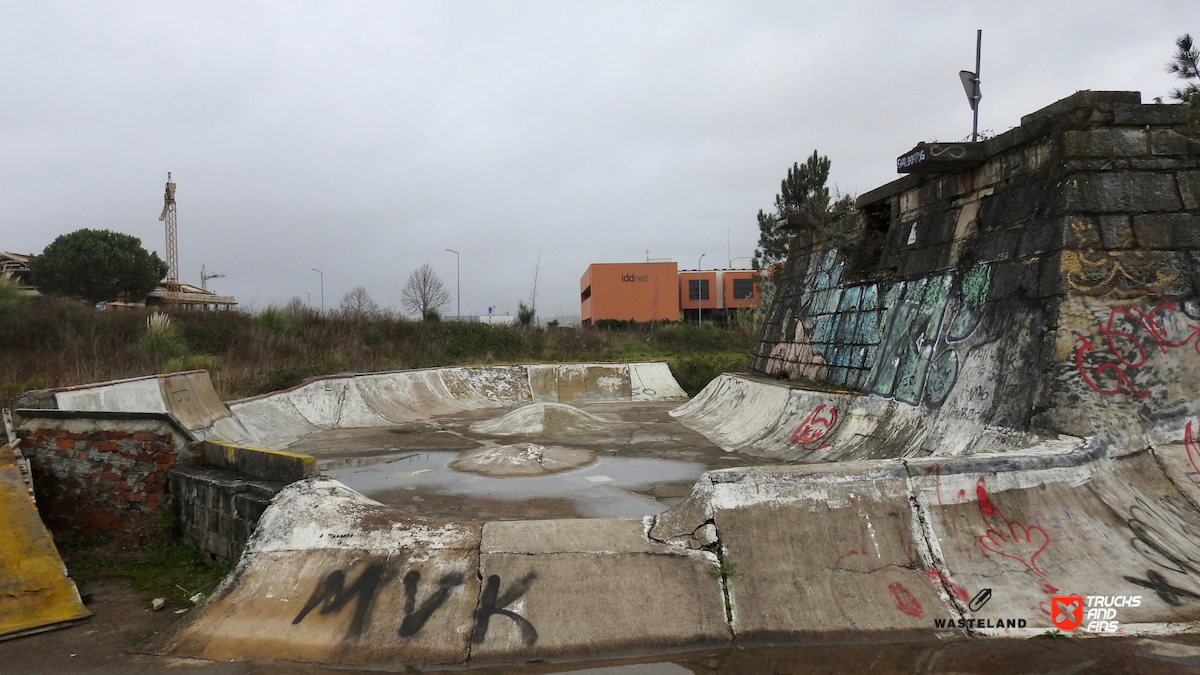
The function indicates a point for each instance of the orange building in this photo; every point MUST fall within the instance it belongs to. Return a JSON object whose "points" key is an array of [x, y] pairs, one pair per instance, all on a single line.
{"points": [[629, 291], [658, 292]]}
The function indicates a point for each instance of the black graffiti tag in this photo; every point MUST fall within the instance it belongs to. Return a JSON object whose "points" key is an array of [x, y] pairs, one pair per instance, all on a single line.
{"points": [[1158, 583], [491, 602], [415, 617], [334, 594]]}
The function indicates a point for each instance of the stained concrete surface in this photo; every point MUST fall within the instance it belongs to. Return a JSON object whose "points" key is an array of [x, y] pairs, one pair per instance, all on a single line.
{"points": [[645, 462], [108, 644]]}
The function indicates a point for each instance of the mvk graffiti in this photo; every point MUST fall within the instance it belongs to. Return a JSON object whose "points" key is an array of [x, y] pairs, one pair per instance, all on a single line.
{"points": [[332, 595], [1127, 333]]}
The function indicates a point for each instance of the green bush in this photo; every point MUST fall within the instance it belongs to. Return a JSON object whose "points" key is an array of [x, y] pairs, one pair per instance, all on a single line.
{"points": [[161, 341], [276, 320]]}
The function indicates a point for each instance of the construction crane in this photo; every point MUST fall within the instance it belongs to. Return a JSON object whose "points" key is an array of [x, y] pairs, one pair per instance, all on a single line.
{"points": [[168, 216]]}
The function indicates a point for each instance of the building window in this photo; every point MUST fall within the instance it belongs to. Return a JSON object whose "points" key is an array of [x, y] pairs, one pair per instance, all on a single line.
{"points": [[743, 289], [697, 289], [587, 293]]}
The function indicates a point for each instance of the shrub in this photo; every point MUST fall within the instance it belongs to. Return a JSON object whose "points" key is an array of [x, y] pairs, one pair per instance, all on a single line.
{"points": [[161, 341]]}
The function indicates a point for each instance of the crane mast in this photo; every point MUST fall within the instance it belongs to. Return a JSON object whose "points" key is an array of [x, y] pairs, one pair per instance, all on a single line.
{"points": [[168, 216]]}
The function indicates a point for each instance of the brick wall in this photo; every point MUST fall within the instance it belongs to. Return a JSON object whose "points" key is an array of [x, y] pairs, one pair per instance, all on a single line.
{"points": [[104, 478]]}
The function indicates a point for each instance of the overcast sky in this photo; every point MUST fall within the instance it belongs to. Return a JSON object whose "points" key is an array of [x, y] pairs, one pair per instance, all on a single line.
{"points": [[364, 138]]}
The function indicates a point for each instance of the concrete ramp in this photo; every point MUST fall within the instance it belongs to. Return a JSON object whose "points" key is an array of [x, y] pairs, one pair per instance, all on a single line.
{"points": [[772, 419], [35, 592], [188, 396], [332, 577], [281, 418], [882, 551]]}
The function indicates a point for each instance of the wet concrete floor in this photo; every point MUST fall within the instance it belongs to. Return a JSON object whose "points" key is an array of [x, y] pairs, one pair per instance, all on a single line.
{"points": [[645, 462]]}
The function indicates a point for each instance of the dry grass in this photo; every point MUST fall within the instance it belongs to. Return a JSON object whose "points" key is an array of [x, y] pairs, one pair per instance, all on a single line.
{"points": [[55, 342]]}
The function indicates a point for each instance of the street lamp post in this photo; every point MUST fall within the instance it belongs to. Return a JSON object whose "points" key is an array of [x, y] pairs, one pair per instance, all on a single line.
{"points": [[699, 293], [309, 296], [457, 280], [322, 288]]}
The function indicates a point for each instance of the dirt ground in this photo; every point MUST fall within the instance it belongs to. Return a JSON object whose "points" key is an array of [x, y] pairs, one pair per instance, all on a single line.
{"points": [[108, 644]]}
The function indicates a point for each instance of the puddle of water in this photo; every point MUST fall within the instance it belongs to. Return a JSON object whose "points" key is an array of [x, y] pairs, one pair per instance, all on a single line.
{"points": [[603, 489]]}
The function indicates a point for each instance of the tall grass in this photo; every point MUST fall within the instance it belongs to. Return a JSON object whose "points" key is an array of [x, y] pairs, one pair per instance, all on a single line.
{"points": [[50, 342]]}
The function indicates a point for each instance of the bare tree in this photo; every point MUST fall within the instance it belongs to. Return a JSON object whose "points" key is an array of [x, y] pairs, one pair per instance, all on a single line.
{"points": [[424, 294], [296, 306], [359, 303], [527, 315]]}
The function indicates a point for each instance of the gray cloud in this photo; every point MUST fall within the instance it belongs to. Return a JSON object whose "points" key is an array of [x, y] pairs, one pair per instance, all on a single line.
{"points": [[365, 138]]}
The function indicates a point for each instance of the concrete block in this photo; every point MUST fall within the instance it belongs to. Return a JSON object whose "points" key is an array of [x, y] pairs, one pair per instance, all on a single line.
{"points": [[1121, 191], [593, 535], [1125, 114], [859, 572], [1167, 231], [1171, 142], [1116, 232], [555, 605], [272, 465], [1106, 143], [1189, 189]]}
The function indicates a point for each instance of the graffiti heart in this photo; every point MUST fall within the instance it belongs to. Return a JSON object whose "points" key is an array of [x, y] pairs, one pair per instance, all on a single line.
{"points": [[1009, 538]]}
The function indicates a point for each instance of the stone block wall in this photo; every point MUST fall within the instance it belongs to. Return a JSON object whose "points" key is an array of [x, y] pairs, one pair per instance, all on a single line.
{"points": [[217, 510], [219, 504], [102, 475], [988, 293]]}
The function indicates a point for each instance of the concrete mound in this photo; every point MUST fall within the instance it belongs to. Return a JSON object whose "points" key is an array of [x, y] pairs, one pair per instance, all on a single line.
{"points": [[521, 459], [543, 418]]}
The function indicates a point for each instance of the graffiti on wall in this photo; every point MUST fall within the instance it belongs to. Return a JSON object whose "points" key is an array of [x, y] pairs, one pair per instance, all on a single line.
{"points": [[1009, 538], [899, 340], [819, 424], [1129, 336], [333, 594]]}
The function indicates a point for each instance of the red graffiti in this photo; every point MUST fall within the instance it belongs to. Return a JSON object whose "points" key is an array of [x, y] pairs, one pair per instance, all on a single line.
{"points": [[1132, 347], [1010, 538], [1192, 445], [815, 427], [905, 601], [940, 577]]}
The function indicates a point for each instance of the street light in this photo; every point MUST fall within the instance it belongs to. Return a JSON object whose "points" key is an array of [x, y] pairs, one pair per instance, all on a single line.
{"points": [[309, 296], [322, 288], [699, 293], [457, 279]]}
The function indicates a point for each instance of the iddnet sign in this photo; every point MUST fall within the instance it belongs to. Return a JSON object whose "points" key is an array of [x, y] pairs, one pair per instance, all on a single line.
{"points": [[635, 277]]}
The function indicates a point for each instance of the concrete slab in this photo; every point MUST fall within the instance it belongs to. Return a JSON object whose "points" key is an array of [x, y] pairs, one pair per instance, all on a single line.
{"points": [[836, 557], [555, 605], [332, 577], [593, 535], [408, 395]]}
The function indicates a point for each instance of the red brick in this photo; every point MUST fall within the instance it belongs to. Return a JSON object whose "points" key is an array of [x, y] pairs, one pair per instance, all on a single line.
{"points": [[64, 444], [143, 436], [148, 458], [77, 437], [28, 443], [109, 446], [154, 487], [109, 477], [131, 496], [169, 457], [38, 433]]}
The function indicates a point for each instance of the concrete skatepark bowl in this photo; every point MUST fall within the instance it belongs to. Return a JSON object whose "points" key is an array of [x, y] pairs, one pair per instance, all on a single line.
{"points": [[1005, 444]]}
